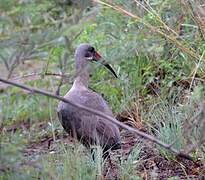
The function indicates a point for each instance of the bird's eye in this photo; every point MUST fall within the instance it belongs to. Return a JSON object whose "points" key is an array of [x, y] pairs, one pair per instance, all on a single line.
{"points": [[91, 49], [88, 54]]}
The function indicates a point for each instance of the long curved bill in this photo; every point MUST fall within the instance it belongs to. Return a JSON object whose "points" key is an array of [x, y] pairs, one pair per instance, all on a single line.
{"points": [[98, 57]]}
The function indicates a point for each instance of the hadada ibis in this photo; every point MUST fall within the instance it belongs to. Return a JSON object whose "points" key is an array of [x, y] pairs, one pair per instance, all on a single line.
{"points": [[88, 128]]}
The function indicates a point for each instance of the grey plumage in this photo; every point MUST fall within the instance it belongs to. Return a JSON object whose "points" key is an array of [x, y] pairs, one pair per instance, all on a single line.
{"points": [[89, 128]]}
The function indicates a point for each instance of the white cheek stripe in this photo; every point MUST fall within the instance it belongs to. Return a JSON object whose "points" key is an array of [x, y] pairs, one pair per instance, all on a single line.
{"points": [[89, 58]]}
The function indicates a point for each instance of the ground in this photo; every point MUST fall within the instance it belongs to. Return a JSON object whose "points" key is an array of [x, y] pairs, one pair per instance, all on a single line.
{"points": [[150, 164]]}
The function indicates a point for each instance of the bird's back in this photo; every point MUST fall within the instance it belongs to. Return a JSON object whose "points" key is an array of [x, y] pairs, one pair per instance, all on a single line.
{"points": [[87, 127]]}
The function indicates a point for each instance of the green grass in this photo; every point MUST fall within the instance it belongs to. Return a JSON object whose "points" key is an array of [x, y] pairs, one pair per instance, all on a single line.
{"points": [[70, 163], [151, 70], [177, 124], [128, 166], [169, 127]]}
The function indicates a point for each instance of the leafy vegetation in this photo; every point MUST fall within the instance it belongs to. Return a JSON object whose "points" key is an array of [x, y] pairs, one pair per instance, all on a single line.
{"points": [[157, 49]]}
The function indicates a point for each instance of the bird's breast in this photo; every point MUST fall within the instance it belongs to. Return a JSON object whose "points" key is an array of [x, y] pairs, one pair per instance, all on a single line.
{"points": [[89, 99]]}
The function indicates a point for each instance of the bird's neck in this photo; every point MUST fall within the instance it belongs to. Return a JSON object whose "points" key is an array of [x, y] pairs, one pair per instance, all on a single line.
{"points": [[82, 79]]}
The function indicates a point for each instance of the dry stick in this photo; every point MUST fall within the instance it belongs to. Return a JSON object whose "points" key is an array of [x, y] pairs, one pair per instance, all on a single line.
{"points": [[151, 10], [195, 70], [39, 74], [122, 125], [190, 51]]}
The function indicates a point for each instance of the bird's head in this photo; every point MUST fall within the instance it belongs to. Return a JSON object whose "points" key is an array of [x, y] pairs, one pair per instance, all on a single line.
{"points": [[86, 53]]}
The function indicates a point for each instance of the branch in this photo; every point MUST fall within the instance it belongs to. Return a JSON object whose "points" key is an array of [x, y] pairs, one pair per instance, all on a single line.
{"points": [[122, 125]]}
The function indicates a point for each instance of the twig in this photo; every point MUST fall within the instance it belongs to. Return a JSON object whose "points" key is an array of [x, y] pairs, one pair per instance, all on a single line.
{"points": [[39, 74], [195, 70], [152, 11], [172, 143], [99, 113], [62, 66], [172, 37]]}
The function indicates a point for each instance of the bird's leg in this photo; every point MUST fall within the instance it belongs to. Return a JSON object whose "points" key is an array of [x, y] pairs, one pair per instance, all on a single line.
{"points": [[106, 156], [74, 134], [92, 150], [96, 153], [110, 162]]}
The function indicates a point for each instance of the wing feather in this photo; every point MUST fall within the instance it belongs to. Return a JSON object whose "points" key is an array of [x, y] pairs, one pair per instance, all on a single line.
{"points": [[89, 128]]}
